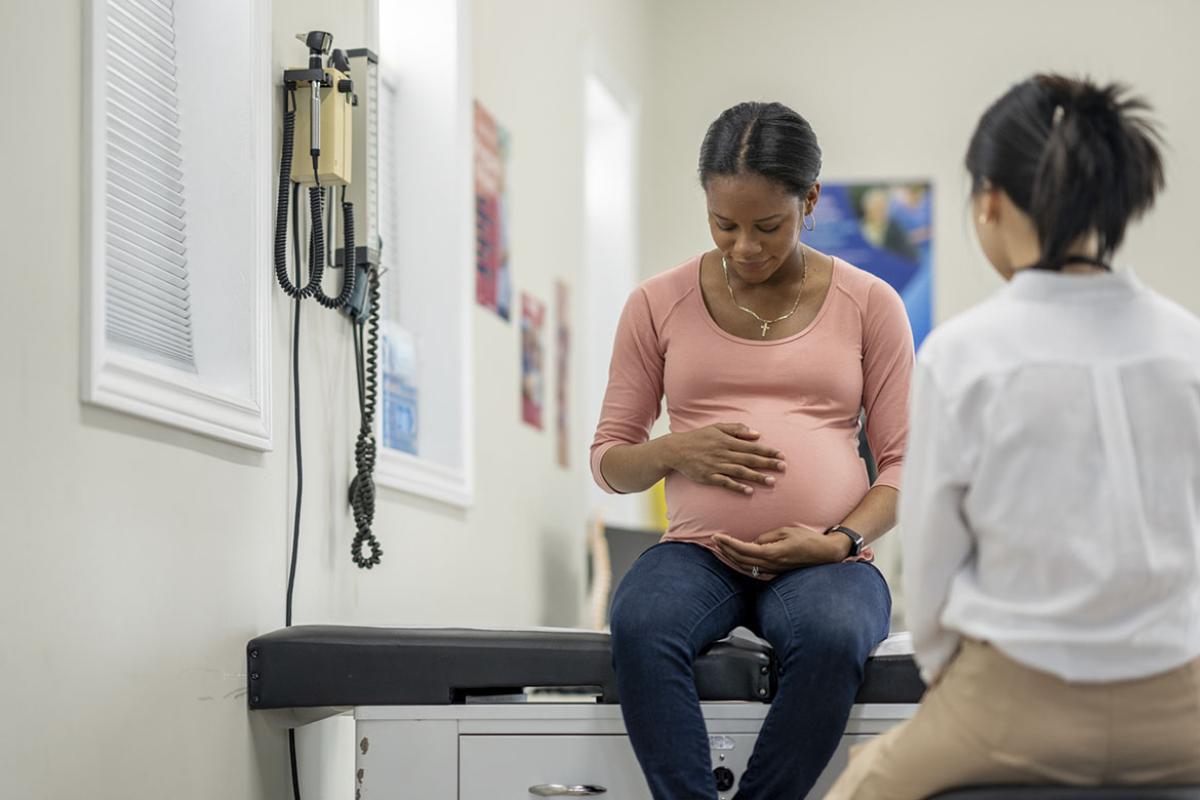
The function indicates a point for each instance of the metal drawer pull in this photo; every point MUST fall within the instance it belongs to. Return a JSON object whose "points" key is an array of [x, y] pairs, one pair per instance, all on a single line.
{"points": [[559, 790]]}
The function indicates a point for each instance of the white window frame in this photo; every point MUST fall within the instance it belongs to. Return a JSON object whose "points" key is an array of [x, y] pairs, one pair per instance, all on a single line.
{"points": [[452, 485], [124, 381]]}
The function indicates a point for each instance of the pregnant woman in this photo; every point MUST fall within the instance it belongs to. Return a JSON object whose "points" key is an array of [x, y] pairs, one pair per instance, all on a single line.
{"points": [[768, 352]]}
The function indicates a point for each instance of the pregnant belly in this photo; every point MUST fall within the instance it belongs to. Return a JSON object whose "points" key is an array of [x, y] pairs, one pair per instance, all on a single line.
{"points": [[824, 480]]}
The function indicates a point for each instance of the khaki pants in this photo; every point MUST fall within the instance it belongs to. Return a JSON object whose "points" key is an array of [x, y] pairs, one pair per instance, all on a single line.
{"points": [[990, 720]]}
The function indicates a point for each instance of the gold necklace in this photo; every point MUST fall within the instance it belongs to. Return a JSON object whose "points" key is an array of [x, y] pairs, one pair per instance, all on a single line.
{"points": [[767, 323]]}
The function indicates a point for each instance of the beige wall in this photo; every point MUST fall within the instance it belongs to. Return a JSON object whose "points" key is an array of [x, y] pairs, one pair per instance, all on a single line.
{"points": [[895, 89], [136, 560]]}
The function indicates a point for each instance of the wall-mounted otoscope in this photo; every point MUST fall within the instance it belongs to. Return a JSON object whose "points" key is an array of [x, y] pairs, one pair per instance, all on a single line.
{"points": [[328, 118], [327, 122], [318, 43]]}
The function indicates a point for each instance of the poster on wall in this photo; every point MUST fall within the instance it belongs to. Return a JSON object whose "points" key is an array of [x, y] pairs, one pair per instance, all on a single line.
{"points": [[493, 282], [399, 424], [885, 228], [562, 343], [533, 391]]}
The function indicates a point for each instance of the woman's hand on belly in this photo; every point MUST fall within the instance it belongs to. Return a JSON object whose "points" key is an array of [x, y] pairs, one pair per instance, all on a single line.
{"points": [[726, 454], [784, 549]]}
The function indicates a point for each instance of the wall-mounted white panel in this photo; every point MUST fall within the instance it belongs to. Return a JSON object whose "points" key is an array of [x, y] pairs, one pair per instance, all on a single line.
{"points": [[427, 224], [176, 261]]}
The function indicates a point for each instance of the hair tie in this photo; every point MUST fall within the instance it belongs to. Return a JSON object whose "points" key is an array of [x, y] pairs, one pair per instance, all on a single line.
{"points": [[1057, 118]]}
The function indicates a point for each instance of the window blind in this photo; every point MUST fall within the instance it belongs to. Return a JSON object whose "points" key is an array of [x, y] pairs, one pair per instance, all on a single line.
{"points": [[147, 291]]}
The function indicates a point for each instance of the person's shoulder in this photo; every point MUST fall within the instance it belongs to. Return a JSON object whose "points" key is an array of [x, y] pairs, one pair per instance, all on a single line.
{"points": [[676, 280], [1171, 311], [961, 348], [666, 289], [854, 278], [863, 287]]}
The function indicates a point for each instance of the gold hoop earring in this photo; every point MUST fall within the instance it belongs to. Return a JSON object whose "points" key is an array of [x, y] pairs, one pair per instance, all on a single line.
{"points": [[809, 222]]}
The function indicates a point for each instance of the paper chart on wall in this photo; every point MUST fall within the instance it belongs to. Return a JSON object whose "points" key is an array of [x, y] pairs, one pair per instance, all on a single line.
{"points": [[533, 371], [562, 372], [400, 396], [493, 282]]}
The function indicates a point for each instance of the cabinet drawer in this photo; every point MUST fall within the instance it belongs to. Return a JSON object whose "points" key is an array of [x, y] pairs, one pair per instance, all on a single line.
{"points": [[505, 767]]}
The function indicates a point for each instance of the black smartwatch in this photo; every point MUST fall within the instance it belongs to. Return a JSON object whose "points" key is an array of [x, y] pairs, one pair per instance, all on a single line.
{"points": [[856, 539]]}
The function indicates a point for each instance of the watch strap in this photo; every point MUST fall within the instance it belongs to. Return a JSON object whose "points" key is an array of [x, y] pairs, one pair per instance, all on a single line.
{"points": [[856, 539]]}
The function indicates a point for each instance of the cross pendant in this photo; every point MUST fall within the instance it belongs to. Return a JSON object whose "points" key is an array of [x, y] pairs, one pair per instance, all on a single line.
{"points": [[765, 327]]}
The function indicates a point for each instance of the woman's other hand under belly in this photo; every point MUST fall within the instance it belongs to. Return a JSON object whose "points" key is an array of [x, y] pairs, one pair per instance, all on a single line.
{"points": [[783, 549]]}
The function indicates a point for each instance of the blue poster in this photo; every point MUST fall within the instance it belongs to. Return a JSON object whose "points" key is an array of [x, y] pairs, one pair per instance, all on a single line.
{"points": [[399, 389], [886, 229]]}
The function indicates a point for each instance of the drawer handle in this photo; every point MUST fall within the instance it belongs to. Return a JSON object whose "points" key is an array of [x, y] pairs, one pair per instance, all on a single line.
{"points": [[559, 790]]}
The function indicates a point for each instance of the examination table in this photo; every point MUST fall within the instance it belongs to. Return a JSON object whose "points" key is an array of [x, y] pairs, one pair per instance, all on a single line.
{"points": [[471, 714], [468, 714]]}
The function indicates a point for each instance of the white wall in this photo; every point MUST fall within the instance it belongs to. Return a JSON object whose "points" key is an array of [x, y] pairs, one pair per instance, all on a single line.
{"points": [[895, 89], [137, 560]]}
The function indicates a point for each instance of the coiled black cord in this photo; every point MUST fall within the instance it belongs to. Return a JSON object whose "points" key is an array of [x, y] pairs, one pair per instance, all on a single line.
{"points": [[372, 360], [317, 244], [317, 269], [349, 265], [362, 487], [281, 203]]}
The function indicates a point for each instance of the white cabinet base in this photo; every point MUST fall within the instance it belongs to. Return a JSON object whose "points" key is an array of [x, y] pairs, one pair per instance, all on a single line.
{"points": [[488, 752]]}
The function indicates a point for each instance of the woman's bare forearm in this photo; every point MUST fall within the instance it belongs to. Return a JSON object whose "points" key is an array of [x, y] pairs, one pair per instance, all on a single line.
{"points": [[630, 468], [875, 515]]}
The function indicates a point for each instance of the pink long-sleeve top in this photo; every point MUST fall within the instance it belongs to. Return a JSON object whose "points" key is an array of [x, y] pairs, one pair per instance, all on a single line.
{"points": [[803, 393]]}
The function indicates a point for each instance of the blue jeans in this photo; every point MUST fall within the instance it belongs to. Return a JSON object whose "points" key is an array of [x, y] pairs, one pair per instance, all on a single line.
{"points": [[677, 599]]}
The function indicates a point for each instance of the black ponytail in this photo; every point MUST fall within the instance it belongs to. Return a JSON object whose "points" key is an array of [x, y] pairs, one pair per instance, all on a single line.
{"points": [[767, 139], [1077, 157]]}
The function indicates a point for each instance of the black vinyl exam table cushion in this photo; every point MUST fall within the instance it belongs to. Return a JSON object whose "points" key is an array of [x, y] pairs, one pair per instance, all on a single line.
{"points": [[310, 666]]}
